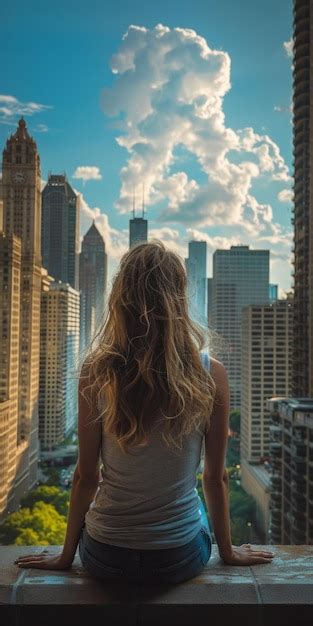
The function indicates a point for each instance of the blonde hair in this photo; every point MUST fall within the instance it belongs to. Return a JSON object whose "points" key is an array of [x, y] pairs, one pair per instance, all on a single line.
{"points": [[147, 354]]}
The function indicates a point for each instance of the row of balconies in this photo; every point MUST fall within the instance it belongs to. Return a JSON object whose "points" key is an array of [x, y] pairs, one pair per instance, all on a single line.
{"points": [[301, 12]]}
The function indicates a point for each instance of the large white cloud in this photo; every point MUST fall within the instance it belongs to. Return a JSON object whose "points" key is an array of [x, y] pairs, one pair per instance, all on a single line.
{"points": [[169, 91]]}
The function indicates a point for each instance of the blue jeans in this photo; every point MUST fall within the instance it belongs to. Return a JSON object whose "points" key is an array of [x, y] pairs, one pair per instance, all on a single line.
{"points": [[167, 565]]}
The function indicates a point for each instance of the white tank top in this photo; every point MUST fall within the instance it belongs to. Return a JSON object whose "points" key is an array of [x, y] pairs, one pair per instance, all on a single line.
{"points": [[148, 499]]}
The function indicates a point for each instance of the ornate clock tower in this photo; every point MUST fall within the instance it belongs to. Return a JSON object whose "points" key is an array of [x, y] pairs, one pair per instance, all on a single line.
{"points": [[21, 182]]}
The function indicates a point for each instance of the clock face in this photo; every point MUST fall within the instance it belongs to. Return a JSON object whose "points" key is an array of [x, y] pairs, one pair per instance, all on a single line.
{"points": [[19, 177]]}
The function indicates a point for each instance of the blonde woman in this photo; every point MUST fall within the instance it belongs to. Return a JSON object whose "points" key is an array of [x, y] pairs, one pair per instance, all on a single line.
{"points": [[149, 397]]}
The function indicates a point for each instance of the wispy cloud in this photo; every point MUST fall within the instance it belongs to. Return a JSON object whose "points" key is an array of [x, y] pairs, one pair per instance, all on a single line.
{"points": [[11, 107], [283, 108], [41, 128], [168, 91], [288, 47], [87, 172]]}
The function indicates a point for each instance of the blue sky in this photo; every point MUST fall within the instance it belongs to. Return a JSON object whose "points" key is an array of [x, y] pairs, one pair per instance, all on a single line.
{"points": [[58, 55]]}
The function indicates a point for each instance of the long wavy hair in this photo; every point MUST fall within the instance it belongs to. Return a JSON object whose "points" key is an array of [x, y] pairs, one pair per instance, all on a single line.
{"points": [[144, 362]]}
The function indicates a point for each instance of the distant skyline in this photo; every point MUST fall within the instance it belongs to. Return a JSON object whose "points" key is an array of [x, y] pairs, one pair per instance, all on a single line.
{"points": [[193, 99]]}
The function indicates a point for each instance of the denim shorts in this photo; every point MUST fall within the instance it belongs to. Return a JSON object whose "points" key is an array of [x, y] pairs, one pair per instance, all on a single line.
{"points": [[167, 565]]}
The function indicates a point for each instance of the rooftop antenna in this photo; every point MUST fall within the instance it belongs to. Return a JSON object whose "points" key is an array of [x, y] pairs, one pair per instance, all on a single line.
{"points": [[134, 202], [143, 200]]}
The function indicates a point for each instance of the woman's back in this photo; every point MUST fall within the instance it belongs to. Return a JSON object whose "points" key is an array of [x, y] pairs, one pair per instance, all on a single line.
{"points": [[148, 499]]}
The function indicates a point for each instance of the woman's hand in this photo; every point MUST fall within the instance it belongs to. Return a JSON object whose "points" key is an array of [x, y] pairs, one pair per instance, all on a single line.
{"points": [[43, 561], [246, 555]]}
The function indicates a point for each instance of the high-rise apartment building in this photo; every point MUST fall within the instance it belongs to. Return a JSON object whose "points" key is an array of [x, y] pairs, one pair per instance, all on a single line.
{"points": [[21, 183], [1, 207], [10, 286], [265, 371], [303, 197], [291, 451], [93, 268], [59, 350], [196, 268], [60, 230], [266, 356], [240, 277]]}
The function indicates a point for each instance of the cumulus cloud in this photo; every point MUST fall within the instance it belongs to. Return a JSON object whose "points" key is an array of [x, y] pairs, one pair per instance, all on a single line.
{"points": [[288, 47], [167, 95], [116, 240], [87, 172], [285, 195], [11, 107]]}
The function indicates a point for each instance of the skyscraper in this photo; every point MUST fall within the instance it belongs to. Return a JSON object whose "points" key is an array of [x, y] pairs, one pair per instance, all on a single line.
{"points": [[58, 359], [265, 371], [240, 277], [273, 294], [209, 300], [21, 179], [1, 207], [196, 268], [60, 230], [10, 287], [303, 198], [291, 449], [138, 228], [93, 268]]}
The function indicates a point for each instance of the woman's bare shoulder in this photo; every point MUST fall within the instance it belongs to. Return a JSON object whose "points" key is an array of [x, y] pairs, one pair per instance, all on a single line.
{"points": [[216, 366], [218, 372]]}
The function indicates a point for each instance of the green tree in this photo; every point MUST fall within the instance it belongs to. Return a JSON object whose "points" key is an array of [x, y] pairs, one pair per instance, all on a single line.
{"points": [[42, 525], [59, 498], [233, 452], [53, 474], [240, 532], [234, 421]]}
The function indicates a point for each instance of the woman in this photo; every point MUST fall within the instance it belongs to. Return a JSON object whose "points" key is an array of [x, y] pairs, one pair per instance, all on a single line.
{"points": [[149, 397]]}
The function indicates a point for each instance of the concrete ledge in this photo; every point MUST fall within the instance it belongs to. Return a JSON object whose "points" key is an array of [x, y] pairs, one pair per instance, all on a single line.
{"points": [[279, 593]]}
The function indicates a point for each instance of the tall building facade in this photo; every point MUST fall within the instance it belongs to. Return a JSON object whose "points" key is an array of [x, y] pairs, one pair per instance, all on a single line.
{"points": [[93, 269], [10, 286], [273, 292], [1, 207], [196, 268], [60, 230], [59, 349], [209, 300], [303, 197], [21, 182], [138, 230], [240, 277], [266, 358], [291, 451]]}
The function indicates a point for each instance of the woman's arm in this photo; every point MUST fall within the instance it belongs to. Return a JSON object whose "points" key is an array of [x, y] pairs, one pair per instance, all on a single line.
{"points": [[87, 472], [215, 477], [82, 494]]}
